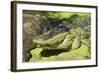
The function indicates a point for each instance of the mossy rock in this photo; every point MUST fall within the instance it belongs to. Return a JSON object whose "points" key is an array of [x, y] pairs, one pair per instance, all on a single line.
{"points": [[51, 58], [76, 43], [31, 45], [27, 27], [79, 54], [35, 55], [36, 51], [56, 39], [51, 41], [86, 42], [66, 44], [82, 51], [74, 48], [78, 31]]}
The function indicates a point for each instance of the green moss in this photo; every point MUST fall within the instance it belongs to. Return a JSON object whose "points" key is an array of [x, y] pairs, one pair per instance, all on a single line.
{"points": [[76, 43], [67, 42], [45, 59], [65, 56], [27, 27], [39, 41], [31, 45], [56, 39], [80, 53], [51, 41], [51, 58], [62, 15], [36, 51], [35, 54], [86, 42]]}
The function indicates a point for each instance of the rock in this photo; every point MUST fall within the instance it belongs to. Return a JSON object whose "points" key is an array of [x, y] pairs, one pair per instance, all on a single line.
{"points": [[52, 41], [82, 21], [69, 44], [27, 56], [59, 29], [31, 45], [66, 44], [33, 25], [78, 54], [87, 42], [52, 32], [76, 43], [51, 58], [82, 51], [36, 56], [56, 39]]}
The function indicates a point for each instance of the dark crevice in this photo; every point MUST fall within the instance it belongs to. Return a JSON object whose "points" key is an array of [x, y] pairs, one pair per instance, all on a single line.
{"points": [[47, 53]]}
